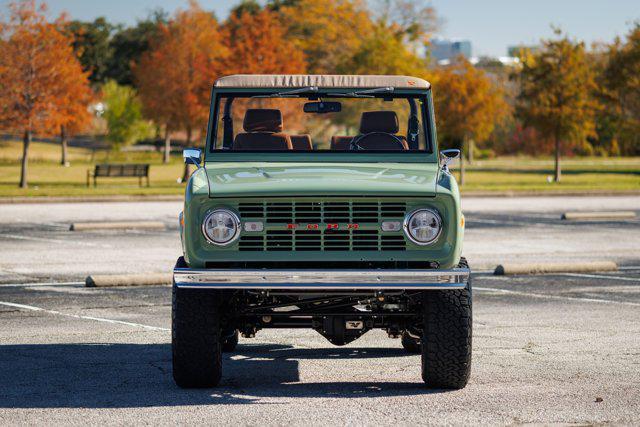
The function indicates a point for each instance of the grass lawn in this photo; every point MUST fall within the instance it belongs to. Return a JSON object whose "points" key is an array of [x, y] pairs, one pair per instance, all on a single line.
{"points": [[48, 178], [593, 174]]}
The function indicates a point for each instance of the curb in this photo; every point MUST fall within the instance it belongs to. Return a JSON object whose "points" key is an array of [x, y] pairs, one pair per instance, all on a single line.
{"points": [[512, 269], [154, 279], [598, 215], [548, 193], [91, 199], [88, 226]]}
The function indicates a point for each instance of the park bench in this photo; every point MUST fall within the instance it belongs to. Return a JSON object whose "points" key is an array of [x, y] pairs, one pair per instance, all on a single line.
{"points": [[124, 170]]}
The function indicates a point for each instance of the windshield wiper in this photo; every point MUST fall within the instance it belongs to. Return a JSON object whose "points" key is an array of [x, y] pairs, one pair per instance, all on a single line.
{"points": [[295, 93], [364, 93]]}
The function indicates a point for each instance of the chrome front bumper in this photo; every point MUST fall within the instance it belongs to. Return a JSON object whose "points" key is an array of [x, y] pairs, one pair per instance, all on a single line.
{"points": [[347, 280]]}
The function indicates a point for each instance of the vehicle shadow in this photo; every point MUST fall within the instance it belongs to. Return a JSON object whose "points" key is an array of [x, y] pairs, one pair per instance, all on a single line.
{"points": [[139, 375]]}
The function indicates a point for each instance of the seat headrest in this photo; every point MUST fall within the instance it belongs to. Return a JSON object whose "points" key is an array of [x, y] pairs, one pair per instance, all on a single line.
{"points": [[301, 142], [379, 121], [262, 120]]}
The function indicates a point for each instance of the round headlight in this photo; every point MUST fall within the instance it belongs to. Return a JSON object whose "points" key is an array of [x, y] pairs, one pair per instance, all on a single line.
{"points": [[423, 226], [221, 227]]}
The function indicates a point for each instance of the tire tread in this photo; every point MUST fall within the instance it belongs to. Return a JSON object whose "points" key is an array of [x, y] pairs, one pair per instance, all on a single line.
{"points": [[447, 337]]}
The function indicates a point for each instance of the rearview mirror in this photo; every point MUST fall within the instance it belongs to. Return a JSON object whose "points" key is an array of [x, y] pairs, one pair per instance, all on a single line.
{"points": [[192, 156], [447, 156], [322, 107]]}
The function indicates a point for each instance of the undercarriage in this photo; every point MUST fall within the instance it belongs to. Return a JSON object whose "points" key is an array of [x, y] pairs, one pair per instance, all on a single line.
{"points": [[429, 309], [341, 317]]}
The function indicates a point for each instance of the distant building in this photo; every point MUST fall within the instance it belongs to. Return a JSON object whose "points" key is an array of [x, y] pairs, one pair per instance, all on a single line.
{"points": [[515, 51], [442, 50]]}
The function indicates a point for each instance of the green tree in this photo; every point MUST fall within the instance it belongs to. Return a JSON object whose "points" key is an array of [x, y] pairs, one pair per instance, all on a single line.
{"points": [[251, 7], [123, 113], [556, 93], [92, 43], [128, 45]]}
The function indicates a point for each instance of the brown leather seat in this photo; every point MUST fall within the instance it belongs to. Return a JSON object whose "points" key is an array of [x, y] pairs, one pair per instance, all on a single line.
{"points": [[380, 128], [301, 142], [263, 131], [340, 142]]}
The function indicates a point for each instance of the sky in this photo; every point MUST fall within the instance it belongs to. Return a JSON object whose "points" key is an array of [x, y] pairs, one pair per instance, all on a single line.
{"points": [[491, 25]]}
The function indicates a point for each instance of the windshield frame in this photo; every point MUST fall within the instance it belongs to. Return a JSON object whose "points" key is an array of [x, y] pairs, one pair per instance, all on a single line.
{"points": [[427, 155]]}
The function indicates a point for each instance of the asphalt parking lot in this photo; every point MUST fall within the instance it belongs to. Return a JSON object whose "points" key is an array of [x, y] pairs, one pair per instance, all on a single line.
{"points": [[547, 349]]}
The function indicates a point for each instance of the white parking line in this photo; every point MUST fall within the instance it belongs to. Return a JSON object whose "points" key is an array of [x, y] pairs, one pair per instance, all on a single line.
{"points": [[528, 222], [602, 276], [42, 239], [77, 316], [26, 285], [556, 297]]}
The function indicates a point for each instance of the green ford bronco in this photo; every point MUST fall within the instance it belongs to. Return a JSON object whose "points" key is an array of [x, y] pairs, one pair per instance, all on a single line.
{"points": [[321, 202]]}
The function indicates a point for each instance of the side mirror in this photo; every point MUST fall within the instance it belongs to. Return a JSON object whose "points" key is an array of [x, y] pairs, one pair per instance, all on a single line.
{"points": [[192, 156], [447, 156]]}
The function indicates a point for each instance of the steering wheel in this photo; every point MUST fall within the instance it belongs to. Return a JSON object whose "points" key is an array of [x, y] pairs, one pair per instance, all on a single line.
{"points": [[355, 142]]}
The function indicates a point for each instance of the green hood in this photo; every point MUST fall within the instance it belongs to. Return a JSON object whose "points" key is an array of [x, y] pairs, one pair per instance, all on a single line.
{"points": [[246, 179]]}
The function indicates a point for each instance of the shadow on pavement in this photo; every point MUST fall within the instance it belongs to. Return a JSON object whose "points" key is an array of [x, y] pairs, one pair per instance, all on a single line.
{"points": [[139, 375]]}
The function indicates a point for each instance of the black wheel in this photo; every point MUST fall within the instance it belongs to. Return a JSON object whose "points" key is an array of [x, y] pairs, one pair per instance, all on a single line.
{"points": [[196, 337], [412, 345], [446, 339], [230, 342]]}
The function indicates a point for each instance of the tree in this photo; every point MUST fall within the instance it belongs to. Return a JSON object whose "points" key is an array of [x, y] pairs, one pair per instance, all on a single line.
{"points": [[246, 6], [72, 104], [92, 42], [123, 114], [36, 58], [327, 31], [187, 55], [382, 52], [257, 44], [556, 93], [128, 45], [620, 90], [414, 20], [467, 104]]}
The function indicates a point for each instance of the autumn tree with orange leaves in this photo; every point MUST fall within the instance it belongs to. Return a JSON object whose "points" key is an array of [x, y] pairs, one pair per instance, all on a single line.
{"points": [[41, 79], [468, 105], [327, 31], [176, 74], [257, 44], [72, 105]]}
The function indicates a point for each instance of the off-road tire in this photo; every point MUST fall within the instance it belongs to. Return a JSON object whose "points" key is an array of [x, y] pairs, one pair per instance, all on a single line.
{"points": [[230, 343], [196, 337], [446, 339], [412, 345]]}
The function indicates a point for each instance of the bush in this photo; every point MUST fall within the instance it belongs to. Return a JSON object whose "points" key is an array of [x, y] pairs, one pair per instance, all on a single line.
{"points": [[484, 154], [123, 114]]}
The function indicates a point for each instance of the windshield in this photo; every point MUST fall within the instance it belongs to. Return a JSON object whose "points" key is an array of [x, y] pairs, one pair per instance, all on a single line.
{"points": [[372, 120]]}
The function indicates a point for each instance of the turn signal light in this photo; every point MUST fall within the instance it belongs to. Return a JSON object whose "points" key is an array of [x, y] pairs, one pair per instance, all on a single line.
{"points": [[391, 225]]}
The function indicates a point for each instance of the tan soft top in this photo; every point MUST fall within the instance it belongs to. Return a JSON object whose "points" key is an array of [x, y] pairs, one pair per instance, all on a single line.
{"points": [[321, 81]]}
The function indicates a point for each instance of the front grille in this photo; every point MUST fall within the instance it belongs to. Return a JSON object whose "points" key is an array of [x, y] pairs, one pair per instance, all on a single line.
{"points": [[322, 212], [368, 216], [322, 240]]}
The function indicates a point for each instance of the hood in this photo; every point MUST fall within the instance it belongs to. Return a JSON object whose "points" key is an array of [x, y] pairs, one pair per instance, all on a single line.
{"points": [[247, 179]]}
